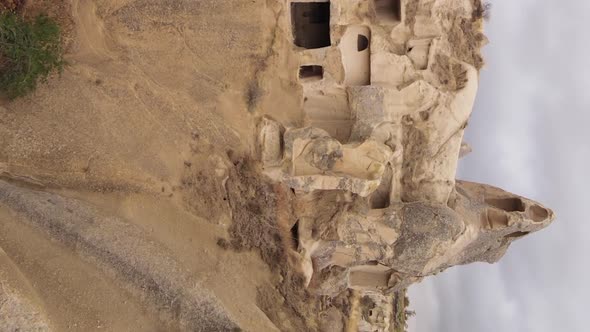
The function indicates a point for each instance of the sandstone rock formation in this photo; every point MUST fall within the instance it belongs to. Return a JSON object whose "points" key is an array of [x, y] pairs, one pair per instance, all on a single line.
{"points": [[387, 249], [382, 133], [225, 165]]}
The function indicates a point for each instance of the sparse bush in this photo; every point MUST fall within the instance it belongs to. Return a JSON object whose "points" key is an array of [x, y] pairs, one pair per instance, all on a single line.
{"points": [[467, 39], [402, 314], [451, 74], [29, 52], [11, 5], [482, 10]]}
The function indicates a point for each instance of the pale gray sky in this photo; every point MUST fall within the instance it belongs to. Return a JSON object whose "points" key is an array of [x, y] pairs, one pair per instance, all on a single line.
{"points": [[530, 132]]}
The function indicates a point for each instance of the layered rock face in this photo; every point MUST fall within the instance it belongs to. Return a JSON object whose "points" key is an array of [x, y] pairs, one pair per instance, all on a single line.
{"points": [[387, 93], [264, 165], [388, 249]]}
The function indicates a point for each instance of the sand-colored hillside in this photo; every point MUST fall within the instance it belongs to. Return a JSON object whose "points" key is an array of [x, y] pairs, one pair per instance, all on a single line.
{"points": [[141, 125]]}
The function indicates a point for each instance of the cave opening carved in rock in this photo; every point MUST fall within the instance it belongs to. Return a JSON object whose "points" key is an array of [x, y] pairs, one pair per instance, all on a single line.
{"points": [[311, 73], [388, 11], [356, 55], [311, 24], [508, 204]]}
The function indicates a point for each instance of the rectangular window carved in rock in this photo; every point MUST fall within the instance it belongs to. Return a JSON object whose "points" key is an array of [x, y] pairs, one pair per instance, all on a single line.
{"points": [[388, 11], [311, 73], [311, 24]]}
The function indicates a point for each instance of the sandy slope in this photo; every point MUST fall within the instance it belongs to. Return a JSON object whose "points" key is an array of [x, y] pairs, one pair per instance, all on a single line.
{"points": [[144, 125], [145, 77]]}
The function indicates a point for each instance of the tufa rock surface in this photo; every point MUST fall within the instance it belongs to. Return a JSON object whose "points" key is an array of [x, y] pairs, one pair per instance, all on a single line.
{"points": [[231, 165]]}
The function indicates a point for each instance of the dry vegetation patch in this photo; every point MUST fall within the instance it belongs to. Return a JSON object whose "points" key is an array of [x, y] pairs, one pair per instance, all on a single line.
{"points": [[11, 5], [481, 10], [451, 74], [259, 211], [467, 39], [402, 314]]}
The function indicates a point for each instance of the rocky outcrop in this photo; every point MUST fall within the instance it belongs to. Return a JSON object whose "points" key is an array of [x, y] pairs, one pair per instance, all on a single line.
{"points": [[373, 164], [388, 249], [323, 134]]}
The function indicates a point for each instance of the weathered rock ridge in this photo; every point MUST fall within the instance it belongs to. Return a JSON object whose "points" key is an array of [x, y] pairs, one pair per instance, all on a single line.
{"points": [[373, 162], [226, 165]]}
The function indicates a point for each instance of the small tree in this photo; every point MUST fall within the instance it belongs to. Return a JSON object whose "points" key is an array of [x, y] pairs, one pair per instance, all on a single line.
{"points": [[29, 52]]}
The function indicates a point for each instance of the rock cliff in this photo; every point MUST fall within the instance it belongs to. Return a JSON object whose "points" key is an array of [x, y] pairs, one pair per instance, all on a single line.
{"points": [[246, 165]]}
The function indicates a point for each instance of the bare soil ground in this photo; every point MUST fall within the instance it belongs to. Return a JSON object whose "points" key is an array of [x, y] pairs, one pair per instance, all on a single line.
{"points": [[147, 123]]}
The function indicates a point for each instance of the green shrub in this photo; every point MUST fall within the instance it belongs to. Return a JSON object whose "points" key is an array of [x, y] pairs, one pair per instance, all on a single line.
{"points": [[29, 52]]}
